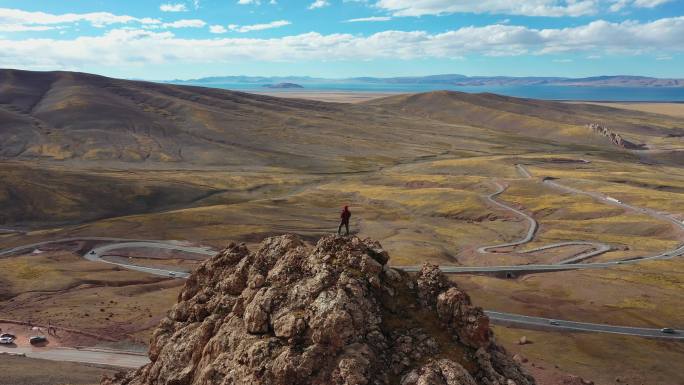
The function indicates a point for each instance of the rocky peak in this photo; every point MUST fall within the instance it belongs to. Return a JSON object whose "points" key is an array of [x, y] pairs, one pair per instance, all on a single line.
{"points": [[335, 313]]}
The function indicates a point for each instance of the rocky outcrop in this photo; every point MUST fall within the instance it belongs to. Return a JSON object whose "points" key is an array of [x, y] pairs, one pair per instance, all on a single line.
{"points": [[614, 137], [330, 314]]}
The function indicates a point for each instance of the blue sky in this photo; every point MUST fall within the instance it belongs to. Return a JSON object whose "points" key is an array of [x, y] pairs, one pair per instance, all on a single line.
{"points": [[341, 38]]}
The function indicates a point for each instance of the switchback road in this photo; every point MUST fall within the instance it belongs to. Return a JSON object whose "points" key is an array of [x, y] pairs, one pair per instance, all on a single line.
{"points": [[96, 255]]}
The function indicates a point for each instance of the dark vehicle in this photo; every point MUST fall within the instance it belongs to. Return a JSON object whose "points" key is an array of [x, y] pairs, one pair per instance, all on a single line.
{"points": [[667, 330], [37, 340]]}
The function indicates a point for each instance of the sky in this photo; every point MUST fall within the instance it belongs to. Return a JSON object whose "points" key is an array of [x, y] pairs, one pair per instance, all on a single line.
{"points": [[177, 39]]}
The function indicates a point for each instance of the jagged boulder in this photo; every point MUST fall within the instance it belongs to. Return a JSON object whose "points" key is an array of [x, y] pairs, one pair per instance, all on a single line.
{"points": [[330, 314]]}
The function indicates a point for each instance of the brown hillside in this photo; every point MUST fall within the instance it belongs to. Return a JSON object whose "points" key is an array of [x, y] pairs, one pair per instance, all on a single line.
{"points": [[530, 116], [61, 115], [80, 117]]}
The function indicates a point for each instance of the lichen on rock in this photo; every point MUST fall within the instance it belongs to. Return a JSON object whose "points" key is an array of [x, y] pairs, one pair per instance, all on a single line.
{"points": [[335, 313]]}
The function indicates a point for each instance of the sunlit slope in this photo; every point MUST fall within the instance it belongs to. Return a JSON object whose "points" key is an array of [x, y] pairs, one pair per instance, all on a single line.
{"points": [[67, 116], [535, 118], [81, 117]]}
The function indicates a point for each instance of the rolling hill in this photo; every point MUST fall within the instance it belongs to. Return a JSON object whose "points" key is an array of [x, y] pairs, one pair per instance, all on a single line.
{"points": [[76, 117]]}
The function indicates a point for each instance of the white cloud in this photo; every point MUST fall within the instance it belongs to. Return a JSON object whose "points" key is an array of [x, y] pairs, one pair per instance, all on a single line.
{"points": [[372, 18], [24, 28], [122, 47], [168, 7], [649, 3], [319, 4], [255, 2], [619, 5], [217, 29], [516, 7], [258, 27], [185, 23], [17, 17]]}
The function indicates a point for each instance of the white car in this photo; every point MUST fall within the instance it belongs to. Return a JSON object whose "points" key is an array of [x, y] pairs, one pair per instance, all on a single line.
{"points": [[6, 340]]}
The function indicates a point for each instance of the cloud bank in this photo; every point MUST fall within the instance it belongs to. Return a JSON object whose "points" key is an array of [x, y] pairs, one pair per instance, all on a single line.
{"points": [[120, 47]]}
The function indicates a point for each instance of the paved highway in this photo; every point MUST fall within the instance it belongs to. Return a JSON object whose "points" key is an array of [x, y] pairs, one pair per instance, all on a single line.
{"points": [[531, 230], [32, 246], [90, 356], [595, 248], [516, 319], [546, 323], [96, 254], [8, 230]]}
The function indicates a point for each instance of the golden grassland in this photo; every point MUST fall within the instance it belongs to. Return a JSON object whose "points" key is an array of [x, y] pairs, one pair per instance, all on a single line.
{"points": [[415, 170], [644, 295], [431, 210], [435, 204], [656, 187], [602, 358], [670, 109]]}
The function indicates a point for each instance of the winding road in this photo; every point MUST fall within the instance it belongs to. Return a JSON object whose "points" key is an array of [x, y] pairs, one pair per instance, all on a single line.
{"points": [[508, 318], [98, 252], [595, 248]]}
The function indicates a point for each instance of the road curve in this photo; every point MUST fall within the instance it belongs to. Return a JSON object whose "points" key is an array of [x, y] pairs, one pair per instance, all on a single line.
{"points": [[516, 319], [31, 246], [596, 248], [531, 230], [509, 318], [96, 254]]}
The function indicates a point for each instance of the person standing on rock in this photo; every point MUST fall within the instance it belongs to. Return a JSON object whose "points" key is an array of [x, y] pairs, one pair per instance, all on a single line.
{"points": [[344, 220]]}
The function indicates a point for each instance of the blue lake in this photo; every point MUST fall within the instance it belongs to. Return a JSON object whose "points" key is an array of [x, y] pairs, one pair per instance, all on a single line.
{"points": [[645, 94]]}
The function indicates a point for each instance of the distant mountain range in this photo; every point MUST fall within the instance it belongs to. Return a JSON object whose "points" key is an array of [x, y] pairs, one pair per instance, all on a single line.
{"points": [[453, 80]]}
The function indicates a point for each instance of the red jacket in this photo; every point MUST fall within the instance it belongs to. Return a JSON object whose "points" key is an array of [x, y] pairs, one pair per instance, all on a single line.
{"points": [[345, 214]]}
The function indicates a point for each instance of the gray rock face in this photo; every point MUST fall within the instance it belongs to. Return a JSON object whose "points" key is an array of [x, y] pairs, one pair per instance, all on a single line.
{"points": [[330, 314]]}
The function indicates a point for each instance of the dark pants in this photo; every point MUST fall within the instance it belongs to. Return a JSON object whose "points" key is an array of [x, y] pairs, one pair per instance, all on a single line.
{"points": [[345, 224]]}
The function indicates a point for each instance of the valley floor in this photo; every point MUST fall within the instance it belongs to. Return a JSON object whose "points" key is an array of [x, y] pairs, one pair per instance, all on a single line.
{"points": [[429, 210]]}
